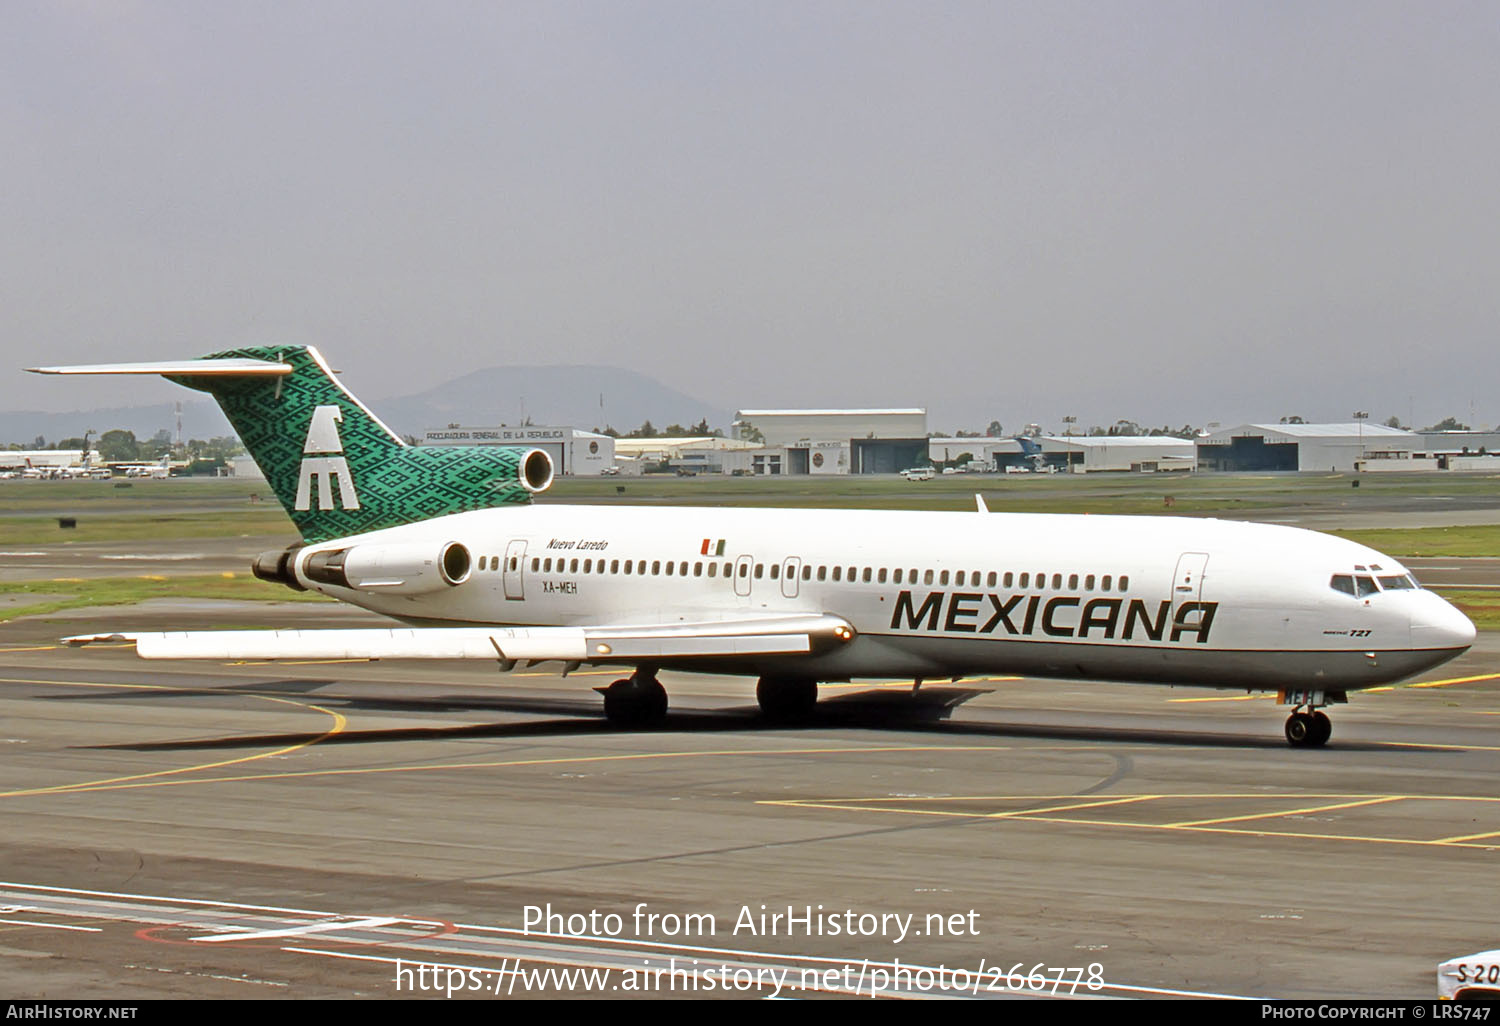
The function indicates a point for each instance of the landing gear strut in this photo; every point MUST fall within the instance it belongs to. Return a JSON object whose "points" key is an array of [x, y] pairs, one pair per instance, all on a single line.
{"points": [[1307, 727], [786, 699], [635, 701]]}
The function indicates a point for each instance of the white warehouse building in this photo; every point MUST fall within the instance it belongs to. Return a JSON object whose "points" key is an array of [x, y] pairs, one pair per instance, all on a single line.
{"points": [[1308, 447], [1080, 454], [872, 441]]}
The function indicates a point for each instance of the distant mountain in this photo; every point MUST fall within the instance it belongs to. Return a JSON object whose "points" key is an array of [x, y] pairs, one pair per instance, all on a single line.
{"points": [[200, 419], [552, 396]]}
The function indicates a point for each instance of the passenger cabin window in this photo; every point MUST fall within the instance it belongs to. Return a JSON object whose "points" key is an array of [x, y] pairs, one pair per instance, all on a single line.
{"points": [[866, 576], [1124, 582], [880, 577], [807, 571], [927, 577], [1072, 582], [994, 576], [943, 578], [1105, 583], [896, 578], [822, 573], [838, 572], [1088, 583]]}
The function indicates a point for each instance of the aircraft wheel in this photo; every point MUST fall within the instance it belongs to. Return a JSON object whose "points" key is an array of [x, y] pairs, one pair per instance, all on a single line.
{"points": [[1322, 729], [786, 699], [633, 702], [1300, 730]]}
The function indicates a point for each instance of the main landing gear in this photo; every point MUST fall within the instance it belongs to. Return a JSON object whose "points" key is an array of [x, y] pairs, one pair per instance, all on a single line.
{"points": [[635, 701], [1307, 727], [786, 699]]}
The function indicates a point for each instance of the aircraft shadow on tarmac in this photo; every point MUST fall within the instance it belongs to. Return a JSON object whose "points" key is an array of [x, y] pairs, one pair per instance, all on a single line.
{"points": [[924, 711]]}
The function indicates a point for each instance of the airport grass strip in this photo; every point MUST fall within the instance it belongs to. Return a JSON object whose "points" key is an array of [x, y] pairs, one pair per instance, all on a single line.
{"points": [[82, 593], [126, 527], [1430, 541]]}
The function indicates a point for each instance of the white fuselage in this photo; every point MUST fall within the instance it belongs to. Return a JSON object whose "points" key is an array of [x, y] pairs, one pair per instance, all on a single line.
{"points": [[1151, 599]]}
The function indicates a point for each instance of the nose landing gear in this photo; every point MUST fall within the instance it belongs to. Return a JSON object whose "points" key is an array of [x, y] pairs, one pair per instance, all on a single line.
{"points": [[1310, 728]]}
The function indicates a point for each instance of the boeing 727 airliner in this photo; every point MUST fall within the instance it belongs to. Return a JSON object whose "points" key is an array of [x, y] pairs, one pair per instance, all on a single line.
{"points": [[446, 541]]}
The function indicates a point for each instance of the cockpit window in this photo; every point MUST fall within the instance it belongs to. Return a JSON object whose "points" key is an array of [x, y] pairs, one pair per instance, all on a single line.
{"points": [[1397, 583], [1343, 583], [1365, 586]]}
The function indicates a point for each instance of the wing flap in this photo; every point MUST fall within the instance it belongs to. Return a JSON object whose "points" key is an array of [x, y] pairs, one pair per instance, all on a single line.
{"points": [[656, 642]]}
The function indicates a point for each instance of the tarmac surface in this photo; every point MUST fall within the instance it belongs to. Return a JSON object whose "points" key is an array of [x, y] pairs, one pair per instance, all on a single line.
{"points": [[356, 829], [332, 830]]}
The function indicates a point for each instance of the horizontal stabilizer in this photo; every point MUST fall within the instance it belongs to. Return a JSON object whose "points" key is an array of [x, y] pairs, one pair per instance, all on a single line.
{"points": [[765, 636], [192, 368]]}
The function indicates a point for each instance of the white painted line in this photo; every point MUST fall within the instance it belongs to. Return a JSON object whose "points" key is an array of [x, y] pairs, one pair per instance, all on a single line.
{"points": [[298, 931], [50, 926], [162, 897]]}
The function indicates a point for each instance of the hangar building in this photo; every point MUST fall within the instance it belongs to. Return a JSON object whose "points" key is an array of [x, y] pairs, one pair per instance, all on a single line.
{"points": [[882, 441], [1080, 454], [707, 454], [1313, 447]]}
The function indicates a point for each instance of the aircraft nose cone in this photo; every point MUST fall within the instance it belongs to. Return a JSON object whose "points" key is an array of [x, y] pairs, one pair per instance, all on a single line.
{"points": [[1437, 624]]}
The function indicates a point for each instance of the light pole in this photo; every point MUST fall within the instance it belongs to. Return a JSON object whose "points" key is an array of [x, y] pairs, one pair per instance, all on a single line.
{"points": [[1360, 416]]}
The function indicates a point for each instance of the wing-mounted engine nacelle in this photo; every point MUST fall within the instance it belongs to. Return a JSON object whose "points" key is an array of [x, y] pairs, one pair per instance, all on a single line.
{"points": [[279, 567], [411, 568]]}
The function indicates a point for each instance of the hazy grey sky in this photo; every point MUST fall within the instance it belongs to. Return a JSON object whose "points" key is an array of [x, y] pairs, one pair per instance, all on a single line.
{"points": [[1172, 212]]}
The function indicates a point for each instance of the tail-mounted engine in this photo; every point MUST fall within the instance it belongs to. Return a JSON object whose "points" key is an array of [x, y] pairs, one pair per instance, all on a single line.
{"points": [[411, 568], [279, 567]]}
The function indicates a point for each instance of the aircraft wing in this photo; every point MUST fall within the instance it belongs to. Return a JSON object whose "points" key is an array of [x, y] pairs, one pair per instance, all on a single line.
{"points": [[780, 635]]}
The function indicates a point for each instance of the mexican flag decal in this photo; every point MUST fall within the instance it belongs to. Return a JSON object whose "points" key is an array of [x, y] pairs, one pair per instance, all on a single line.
{"points": [[712, 547]]}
